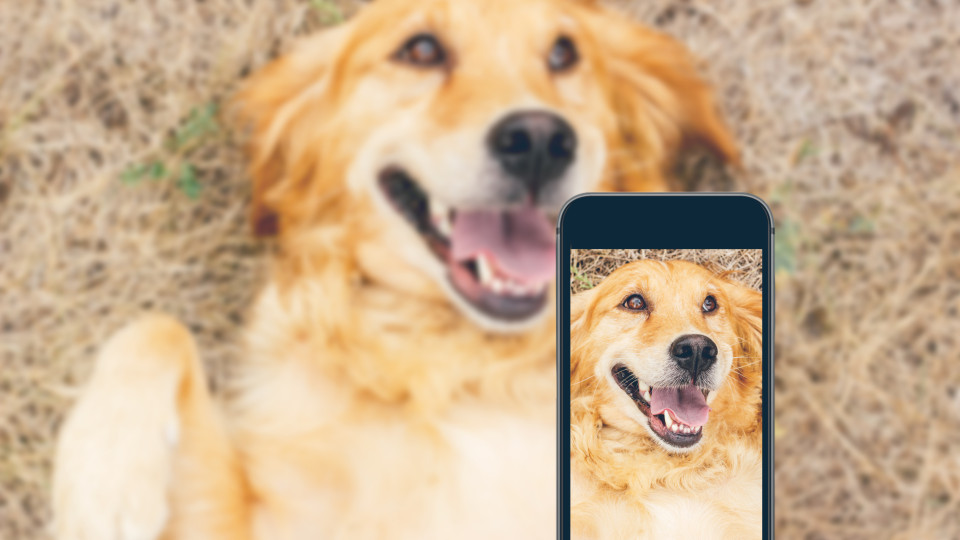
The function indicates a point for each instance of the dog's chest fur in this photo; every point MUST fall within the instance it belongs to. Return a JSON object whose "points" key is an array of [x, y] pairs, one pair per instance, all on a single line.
{"points": [[331, 453], [726, 507]]}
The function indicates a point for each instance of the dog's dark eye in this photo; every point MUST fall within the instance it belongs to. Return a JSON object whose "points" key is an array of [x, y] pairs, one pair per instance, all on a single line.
{"points": [[422, 50], [563, 55], [634, 302], [709, 304]]}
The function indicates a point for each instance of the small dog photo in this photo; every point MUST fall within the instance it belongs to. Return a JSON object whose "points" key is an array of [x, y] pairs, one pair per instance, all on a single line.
{"points": [[665, 389]]}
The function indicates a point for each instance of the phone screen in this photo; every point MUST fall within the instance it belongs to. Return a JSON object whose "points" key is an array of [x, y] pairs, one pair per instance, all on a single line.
{"points": [[664, 367]]}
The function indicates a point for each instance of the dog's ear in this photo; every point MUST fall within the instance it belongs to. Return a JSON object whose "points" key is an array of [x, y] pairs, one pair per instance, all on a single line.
{"points": [[580, 308], [659, 100], [746, 312], [581, 321], [268, 105]]}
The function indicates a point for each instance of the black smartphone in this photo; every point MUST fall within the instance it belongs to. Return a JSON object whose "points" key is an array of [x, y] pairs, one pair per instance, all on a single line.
{"points": [[665, 378]]}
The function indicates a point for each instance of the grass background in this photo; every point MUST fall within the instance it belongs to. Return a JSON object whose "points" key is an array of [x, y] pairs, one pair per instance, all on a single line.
{"points": [[120, 191], [588, 267]]}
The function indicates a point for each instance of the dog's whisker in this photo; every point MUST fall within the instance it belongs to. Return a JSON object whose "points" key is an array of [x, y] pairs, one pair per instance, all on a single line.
{"points": [[583, 381]]}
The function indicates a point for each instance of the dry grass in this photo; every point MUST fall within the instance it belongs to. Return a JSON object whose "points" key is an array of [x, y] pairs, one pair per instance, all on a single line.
{"points": [[588, 267], [848, 113]]}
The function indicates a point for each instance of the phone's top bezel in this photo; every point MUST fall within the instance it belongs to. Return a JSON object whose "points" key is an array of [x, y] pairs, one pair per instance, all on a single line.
{"points": [[661, 221]]}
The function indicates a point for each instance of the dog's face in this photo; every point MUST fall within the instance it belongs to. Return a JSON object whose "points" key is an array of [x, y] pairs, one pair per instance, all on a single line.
{"points": [[671, 348], [459, 128]]}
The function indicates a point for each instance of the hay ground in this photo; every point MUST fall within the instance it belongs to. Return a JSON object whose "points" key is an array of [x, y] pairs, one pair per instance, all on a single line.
{"points": [[589, 267], [121, 192]]}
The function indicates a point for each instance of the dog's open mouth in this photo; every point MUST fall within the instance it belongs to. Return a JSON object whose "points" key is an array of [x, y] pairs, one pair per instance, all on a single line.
{"points": [[502, 261], [676, 415]]}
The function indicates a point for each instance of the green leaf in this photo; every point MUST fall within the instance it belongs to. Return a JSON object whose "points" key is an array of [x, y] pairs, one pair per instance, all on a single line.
{"points": [[133, 173], [188, 183], [329, 11], [158, 170], [785, 247], [807, 149], [781, 192], [581, 278], [202, 121], [861, 224]]}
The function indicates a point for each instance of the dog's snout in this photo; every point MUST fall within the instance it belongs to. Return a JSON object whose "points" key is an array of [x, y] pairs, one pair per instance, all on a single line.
{"points": [[535, 147], [694, 353]]}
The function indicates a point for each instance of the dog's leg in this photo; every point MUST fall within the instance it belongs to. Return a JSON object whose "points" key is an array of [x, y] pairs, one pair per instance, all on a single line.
{"points": [[143, 453]]}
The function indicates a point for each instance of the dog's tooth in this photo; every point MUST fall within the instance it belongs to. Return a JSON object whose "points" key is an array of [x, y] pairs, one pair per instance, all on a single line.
{"points": [[484, 271], [666, 419], [497, 285], [440, 214], [439, 210], [675, 428], [444, 227], [646, 396]]}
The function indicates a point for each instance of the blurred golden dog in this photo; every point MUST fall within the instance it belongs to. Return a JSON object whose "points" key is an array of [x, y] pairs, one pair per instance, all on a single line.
{"points": [[399, 379], [665, 371]]}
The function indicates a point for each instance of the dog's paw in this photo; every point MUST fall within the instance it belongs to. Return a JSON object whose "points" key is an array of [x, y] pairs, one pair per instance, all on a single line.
{"points": [[116, 451], [113, 473]]}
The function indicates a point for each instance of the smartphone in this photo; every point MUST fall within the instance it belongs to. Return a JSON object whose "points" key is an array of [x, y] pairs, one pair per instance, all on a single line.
{"points": [[665, 378]]}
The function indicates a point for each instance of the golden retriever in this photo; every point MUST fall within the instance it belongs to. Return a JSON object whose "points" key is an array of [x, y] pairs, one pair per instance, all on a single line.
{"points": [[399, 374], [665, 380]]}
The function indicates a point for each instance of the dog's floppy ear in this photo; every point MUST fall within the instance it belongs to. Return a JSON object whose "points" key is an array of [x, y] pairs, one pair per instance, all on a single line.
{"points": [[580, 305], [268, 104], [658, 97], [746, 312], [581, 320]]}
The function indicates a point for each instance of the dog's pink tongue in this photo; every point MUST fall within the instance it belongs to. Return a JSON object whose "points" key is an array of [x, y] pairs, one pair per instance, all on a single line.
{"points": [[521, 242], [687, 404]]}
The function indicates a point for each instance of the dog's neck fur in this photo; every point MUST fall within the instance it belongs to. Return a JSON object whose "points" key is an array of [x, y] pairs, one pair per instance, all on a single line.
{"points": [[399, 346]]}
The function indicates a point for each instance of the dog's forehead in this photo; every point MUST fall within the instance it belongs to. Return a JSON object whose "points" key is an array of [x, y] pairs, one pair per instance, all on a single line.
{"points": [[660, 280], [498, 53], [489, 21]]}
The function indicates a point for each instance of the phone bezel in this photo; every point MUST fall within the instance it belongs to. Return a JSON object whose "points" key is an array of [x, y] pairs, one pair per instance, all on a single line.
{"points": [[671, 221]]}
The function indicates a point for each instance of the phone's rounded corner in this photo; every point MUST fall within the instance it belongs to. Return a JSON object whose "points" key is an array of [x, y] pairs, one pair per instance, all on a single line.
{"points": [[764, 207], [572, 201]]}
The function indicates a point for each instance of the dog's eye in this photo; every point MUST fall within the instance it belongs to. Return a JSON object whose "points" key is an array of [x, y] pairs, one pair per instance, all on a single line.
{"points": [[422, 50], [634, 302], [709, 304], [563, 55]]}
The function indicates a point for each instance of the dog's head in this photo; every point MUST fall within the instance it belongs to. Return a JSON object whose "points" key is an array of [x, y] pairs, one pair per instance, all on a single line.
{"points": [[669, 349], [450, 132]]}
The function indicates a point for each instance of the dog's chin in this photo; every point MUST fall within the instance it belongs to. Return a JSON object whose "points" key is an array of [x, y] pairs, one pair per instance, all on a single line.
{"points": [[674, 432], [497, 264]]}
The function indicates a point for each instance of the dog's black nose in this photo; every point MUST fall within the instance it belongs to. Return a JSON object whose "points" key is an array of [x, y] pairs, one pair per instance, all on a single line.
{"points": [[535, 147], [694, 353]]}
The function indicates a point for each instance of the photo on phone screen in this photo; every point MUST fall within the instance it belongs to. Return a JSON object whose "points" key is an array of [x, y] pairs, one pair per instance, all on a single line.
{"points": [[665, 392]]}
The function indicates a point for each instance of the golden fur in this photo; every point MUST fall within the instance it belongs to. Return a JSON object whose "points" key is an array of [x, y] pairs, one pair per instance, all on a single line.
{"points": [[624, 482], [368, 404]]}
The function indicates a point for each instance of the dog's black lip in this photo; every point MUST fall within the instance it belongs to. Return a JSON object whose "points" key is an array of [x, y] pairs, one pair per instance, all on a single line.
{"points": [[409, 200], [628, 382], [412, 202]]}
